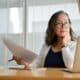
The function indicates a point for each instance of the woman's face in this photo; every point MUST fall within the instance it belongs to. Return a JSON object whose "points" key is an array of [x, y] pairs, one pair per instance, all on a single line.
{"points": [[62, 26]]}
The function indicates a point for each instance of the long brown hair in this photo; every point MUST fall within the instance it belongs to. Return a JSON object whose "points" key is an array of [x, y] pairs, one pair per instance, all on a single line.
{"points": [[51, 38]]}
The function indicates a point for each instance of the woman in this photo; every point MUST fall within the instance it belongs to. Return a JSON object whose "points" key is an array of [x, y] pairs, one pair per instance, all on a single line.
{"points": [[59, 47]]}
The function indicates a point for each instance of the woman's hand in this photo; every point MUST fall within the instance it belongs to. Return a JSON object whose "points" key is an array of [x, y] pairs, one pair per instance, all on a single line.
{"points": [[20, 61], [66, 40]]}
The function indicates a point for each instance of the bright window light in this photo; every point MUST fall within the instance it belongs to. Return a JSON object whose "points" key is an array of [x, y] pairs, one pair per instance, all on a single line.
{"points": [[14, 20]]}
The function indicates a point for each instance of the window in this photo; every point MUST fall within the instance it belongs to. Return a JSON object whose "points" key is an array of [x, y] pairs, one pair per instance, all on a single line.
{"points": [[11, 26]]}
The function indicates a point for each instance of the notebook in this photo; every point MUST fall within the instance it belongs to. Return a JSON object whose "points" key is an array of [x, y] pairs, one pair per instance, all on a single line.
{"points": [[18, 50], [76, 63]]}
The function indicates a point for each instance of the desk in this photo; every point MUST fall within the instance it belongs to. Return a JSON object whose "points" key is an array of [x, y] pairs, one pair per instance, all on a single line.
{"points": [[38, 74]]}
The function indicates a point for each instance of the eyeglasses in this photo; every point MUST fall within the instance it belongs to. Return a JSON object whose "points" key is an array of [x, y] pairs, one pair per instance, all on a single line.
{"points": [[61, 24]]}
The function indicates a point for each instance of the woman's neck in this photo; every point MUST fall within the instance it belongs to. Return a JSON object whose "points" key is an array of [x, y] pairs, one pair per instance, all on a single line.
{"points": [[57, 47]]}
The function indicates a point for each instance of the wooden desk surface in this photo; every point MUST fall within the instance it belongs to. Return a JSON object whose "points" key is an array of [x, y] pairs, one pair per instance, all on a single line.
{"points": [[38, 74]]}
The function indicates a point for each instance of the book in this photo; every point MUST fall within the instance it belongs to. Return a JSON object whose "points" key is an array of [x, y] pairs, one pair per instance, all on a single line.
{"points": [[19, 51]]}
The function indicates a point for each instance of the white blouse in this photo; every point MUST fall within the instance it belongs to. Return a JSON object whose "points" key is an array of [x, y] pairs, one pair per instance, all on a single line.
{"points": [[68, 53]]}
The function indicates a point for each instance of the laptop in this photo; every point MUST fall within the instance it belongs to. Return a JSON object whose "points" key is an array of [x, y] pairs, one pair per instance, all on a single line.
{"points": [[76, 63], [18, 50]]}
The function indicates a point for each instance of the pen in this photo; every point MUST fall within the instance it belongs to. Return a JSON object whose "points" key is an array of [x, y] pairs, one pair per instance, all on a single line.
{"points": [[10, 60]]}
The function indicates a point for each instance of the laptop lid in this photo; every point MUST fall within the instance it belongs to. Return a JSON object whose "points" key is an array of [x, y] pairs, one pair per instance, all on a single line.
{"points": [[76, 63], [19, 51]]}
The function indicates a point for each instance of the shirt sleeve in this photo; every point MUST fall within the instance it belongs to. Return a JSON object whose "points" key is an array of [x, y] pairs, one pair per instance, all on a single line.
{"points": [[68, 53]]}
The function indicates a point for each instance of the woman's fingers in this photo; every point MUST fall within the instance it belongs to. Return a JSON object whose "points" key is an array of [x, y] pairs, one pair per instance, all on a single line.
{"points": [[17, 59], [26, 64], [21, 61]]}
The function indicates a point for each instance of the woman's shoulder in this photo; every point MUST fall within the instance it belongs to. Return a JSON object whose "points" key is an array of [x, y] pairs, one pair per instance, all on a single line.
{"points": [[71, 46], [45, 46], [71, 43]]}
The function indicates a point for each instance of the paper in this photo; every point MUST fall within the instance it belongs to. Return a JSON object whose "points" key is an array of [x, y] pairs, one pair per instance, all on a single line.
{"points": [[17, 50]]}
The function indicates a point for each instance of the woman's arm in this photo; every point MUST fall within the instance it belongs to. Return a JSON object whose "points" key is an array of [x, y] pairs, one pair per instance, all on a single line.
{"points": [[68, 54], [38, 62]]}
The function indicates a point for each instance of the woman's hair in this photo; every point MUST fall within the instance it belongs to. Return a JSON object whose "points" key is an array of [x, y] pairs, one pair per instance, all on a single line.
{"points": [[51, 37]]}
